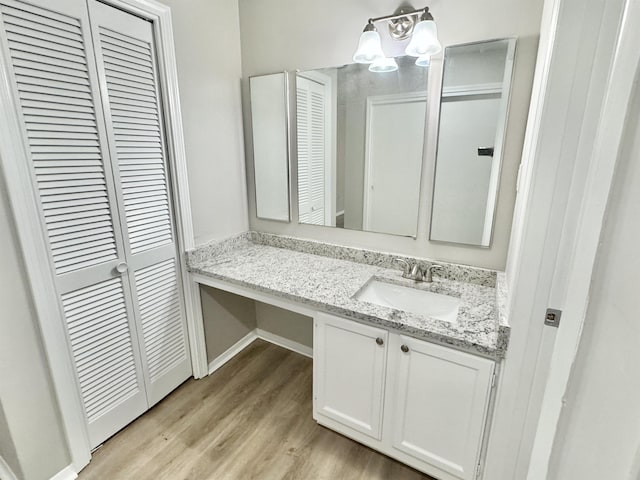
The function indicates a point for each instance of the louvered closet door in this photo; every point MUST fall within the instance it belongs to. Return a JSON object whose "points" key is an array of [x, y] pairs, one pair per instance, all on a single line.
{"points": [[55, 90], [126, 67], [311, 134]]}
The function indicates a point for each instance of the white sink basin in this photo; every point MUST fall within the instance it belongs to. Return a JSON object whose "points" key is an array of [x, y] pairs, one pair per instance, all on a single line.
{"points": [[421, 302]]}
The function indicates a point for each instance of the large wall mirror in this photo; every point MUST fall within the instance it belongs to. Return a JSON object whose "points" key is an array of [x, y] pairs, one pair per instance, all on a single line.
{"points": [[360, 137], [473, 113]]}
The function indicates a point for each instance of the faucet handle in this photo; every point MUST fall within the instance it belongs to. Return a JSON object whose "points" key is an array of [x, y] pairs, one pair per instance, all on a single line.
{"points": [[406, 267], [430, 269]]}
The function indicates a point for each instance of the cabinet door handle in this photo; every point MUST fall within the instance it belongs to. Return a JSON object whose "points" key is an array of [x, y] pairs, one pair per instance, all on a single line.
{"points": [[122, 267], [404, 348], [379, 341]]}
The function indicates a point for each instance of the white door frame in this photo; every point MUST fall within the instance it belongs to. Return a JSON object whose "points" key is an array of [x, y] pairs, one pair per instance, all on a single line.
{"points": [[372, 101], [555, 183], [599, 183], [15, 162]]}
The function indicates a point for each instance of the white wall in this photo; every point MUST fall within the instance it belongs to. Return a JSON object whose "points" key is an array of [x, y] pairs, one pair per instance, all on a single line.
{"points": [[8, 453], [34, 428], [282, 35], [207, 43], [285, 323], [227, 318], [599, 430], [207, 40]]}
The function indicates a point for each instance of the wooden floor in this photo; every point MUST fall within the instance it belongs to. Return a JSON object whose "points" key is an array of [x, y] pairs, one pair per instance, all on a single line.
{"points": [[249, 420]]}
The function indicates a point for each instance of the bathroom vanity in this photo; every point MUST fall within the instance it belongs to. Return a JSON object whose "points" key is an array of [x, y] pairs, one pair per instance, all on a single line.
{"points": [[415, 386]]}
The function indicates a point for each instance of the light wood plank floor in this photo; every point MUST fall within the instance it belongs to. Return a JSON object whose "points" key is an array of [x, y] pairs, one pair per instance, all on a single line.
{"points": [[249, 420]]}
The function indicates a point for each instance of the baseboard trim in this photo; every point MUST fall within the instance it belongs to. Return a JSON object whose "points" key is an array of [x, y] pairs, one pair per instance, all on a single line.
{"points": [[245, 341], [284, 342], [232, 351], [67, 473], [5, 470]]}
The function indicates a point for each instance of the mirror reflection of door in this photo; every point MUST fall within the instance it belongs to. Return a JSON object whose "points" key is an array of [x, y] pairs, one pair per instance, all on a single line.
{"points": [[393, 154], [337, 123], [473, 114], [467, 122], [316, 154]]}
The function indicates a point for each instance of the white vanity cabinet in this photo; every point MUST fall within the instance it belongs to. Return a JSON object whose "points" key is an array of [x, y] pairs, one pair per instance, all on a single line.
{"points": [[421, 403]]}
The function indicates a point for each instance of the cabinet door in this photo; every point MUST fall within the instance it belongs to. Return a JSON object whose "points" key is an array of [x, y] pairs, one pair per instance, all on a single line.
{"points": [[349, 372], [438, 402]]}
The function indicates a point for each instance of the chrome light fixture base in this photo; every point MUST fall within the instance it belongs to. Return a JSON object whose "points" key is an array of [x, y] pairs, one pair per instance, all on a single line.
{"points": [[401, 28]]}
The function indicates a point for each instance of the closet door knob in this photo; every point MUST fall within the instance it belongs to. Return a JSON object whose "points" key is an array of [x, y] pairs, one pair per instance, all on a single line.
{"points": [[122, 267], [379, 341], [404, 348]]}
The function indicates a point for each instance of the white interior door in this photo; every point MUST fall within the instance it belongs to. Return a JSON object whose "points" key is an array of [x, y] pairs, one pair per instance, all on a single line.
{"points": [[128, 79], [462, 185], [55, 86], [313, 138], [393, 163]]}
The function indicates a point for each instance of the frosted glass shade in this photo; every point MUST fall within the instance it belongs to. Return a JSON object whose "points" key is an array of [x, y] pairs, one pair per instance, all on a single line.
{"points": [[423, 61], [424, 40], [384, 65], [369, 48]]}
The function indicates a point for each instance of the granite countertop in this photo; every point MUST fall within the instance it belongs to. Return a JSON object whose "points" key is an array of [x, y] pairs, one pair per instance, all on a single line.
{"points": [[328, 284]]}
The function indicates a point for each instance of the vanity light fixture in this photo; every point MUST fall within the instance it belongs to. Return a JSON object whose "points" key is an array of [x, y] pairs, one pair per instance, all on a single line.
{"points": [[415, 24]]}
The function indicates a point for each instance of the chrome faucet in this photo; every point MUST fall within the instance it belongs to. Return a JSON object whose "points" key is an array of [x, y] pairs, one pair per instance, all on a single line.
{"points": [[418, 273]]}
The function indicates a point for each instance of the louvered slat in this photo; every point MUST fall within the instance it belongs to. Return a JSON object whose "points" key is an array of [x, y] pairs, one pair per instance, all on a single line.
{"points": [[50, 69], [317, 157], [160, 312], [97, 324]]}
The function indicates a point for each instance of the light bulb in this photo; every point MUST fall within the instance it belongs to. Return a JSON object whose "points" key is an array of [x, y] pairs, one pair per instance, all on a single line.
{"points": [[383, 65], [423, 61]]}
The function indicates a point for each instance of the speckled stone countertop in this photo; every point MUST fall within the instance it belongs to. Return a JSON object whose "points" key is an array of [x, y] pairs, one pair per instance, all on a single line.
{"points": [[328, 284]]}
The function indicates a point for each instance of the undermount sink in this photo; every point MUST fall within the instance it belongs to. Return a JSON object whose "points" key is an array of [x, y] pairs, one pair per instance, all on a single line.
{"points": [[421, 302]]}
